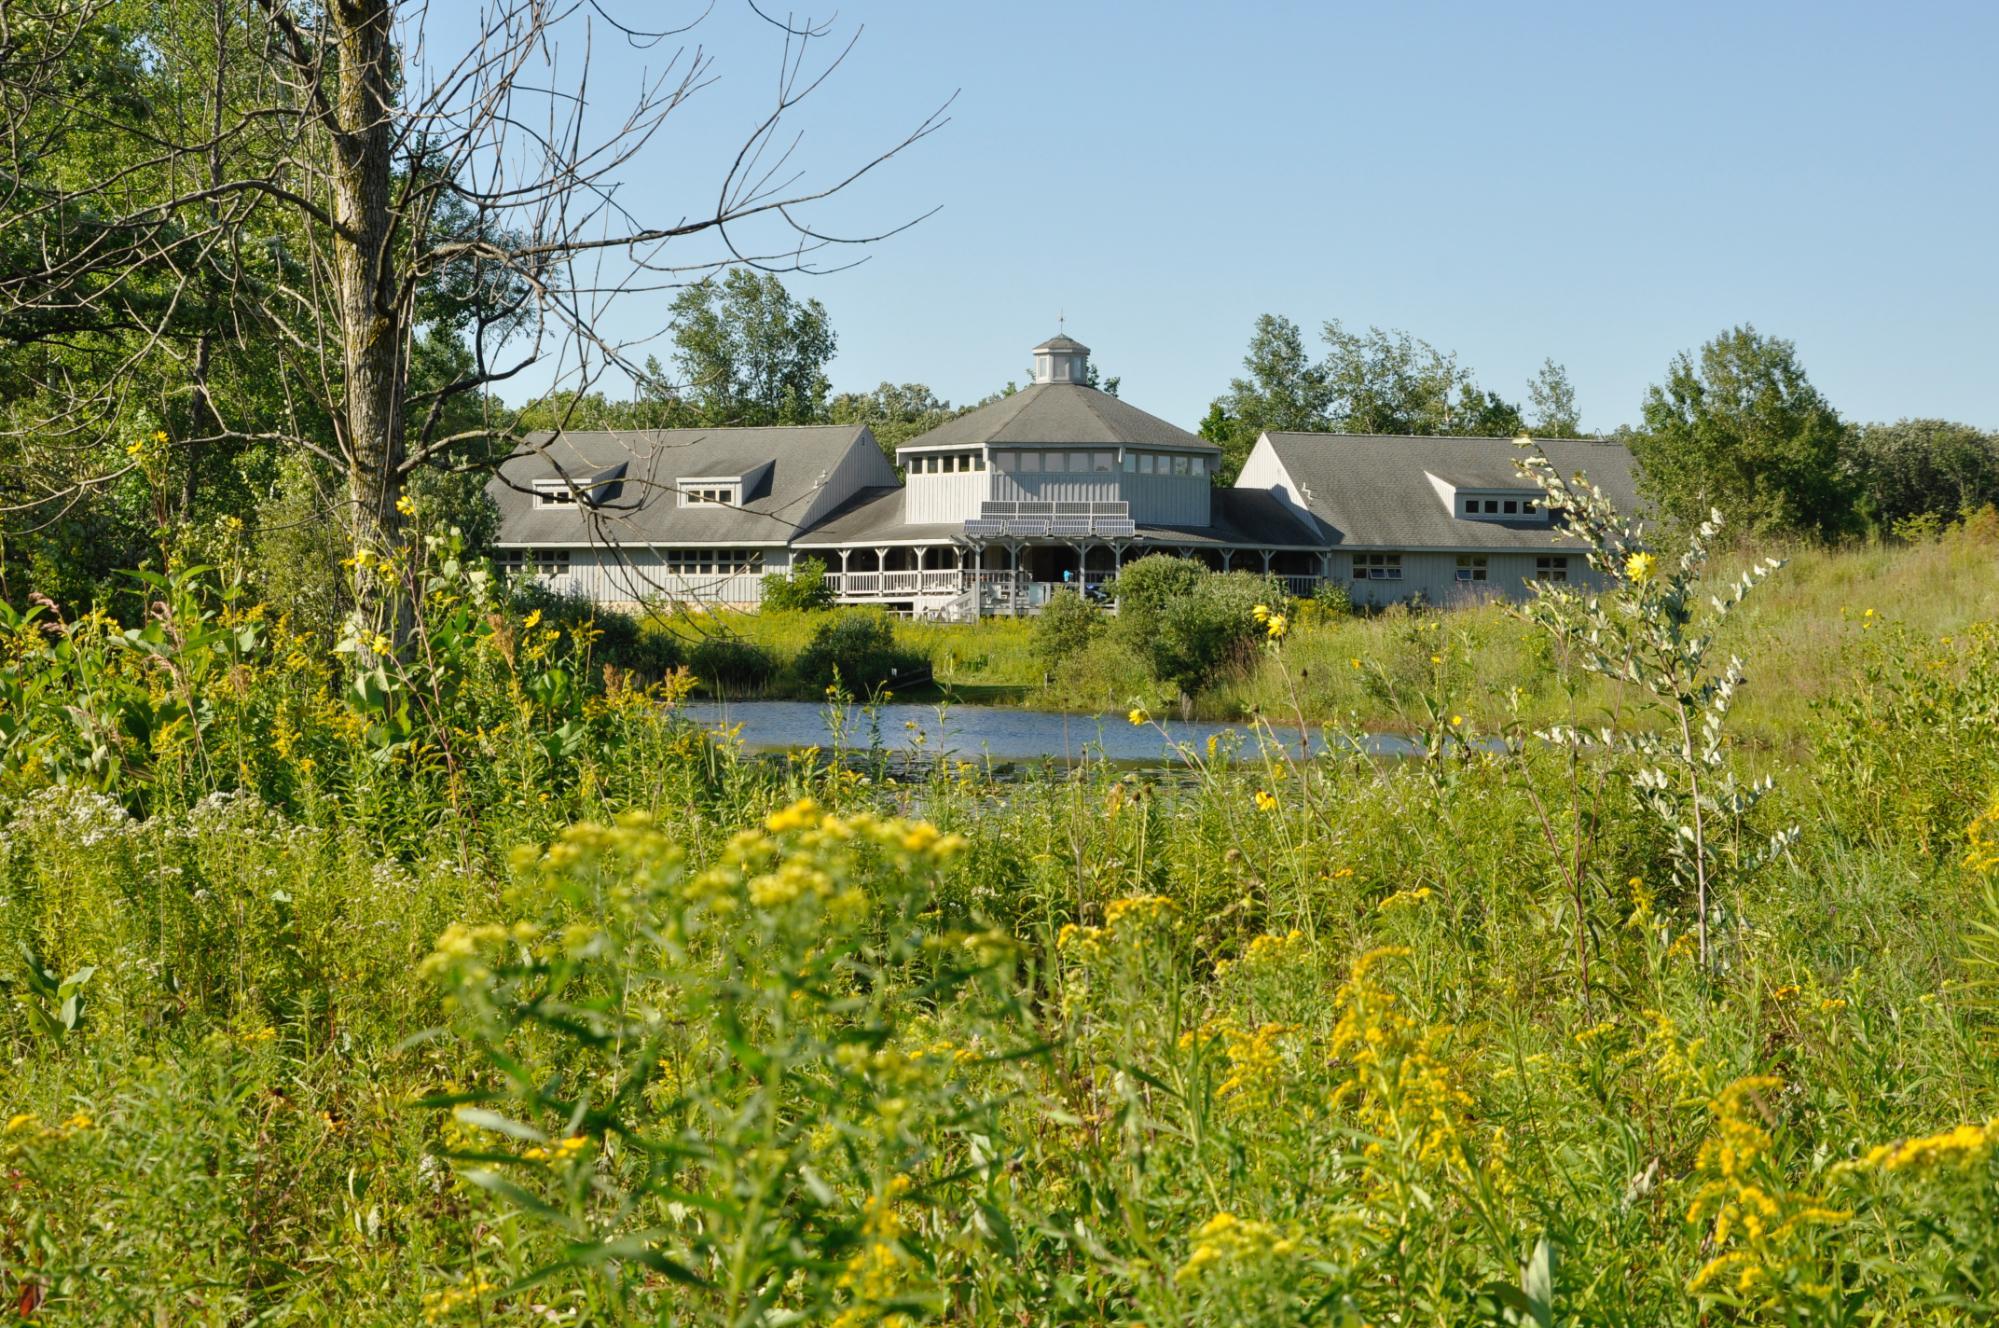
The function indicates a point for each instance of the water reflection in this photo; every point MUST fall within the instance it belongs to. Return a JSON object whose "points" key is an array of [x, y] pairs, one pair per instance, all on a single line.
{"points": [[988, 731]]}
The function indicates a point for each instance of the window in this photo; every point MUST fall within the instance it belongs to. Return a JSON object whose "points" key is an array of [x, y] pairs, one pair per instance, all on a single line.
{"points": [[534, 562], [1492, 505], [713, 562], [1130, 463], [1145, 463], [707, 493], [1377, 567], [1008, 461], [1103, 461], [1471, 507], [1512, 506], [1548, 568], [1471, 567], [1528, 507], [554, 493], [1182, 465]]}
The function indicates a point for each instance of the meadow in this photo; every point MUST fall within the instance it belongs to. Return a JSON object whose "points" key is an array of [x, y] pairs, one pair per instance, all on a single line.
{"points": [[1373, 672], [471, 986]]}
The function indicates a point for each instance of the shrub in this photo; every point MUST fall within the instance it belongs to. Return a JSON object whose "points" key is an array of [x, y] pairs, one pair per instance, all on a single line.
{"points": [[730, 664], [1066, 626], [804, 588], [619, 639], [860, 648], [1191, 625]]}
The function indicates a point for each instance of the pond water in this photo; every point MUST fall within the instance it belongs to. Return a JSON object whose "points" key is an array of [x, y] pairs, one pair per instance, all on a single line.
{"points": [[994, 732]]}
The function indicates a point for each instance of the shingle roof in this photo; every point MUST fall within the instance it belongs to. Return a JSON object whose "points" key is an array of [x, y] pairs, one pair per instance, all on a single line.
{"points": [[785, 466], [1239, 517], [1054, 413], [1062, 342], [1373, 490]]}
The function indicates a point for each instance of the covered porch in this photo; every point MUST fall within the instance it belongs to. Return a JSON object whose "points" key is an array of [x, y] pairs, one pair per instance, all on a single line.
{"points": [[1009, 577]]}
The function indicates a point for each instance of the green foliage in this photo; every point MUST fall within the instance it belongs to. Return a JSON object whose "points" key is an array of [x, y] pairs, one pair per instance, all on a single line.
{"points": [[1743, 430], [802, 589], [1066, 625], [732, 666], [893, 412], [1369, 382], [1915, 469], [749, 354], [1276, 1039], [858, 651], [1194, 627], [1552, 398]]}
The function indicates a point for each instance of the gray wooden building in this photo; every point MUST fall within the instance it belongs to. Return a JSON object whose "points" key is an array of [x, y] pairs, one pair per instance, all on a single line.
{"points": [[1056, 485]]}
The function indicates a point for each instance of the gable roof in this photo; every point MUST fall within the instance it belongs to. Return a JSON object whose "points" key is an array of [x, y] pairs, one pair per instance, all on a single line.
{"points": [[634, 477], [1057, 413], [1373, 490]]}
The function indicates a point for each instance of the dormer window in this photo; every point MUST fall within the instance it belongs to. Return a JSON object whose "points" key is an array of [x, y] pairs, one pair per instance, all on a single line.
{"points": [[693, 495], [554, 493]]}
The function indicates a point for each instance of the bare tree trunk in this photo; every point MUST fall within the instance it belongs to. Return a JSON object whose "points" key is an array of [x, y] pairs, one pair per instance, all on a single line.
{"points": [[373, 333]]}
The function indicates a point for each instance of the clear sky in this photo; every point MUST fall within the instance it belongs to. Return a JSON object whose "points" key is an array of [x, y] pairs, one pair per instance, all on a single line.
{"points": [[1601, 183]]}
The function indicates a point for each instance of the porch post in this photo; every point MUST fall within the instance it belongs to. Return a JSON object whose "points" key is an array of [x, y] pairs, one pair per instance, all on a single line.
{"points": [[1266, 562], [1228, 557]]}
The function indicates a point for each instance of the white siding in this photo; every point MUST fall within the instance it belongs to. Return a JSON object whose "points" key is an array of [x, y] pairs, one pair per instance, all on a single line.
{"points": [[863, 467], [1435, 575], [1161, 500], [633, 577], [946, 498], [1263, 470]]}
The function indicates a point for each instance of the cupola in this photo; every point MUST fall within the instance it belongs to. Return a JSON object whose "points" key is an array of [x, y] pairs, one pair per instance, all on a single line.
{"points": [[1061, 359]]}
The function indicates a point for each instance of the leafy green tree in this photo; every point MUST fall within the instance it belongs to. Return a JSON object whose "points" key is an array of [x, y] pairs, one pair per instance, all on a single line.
{"points": [[1918, 468], [1741, 429], [750, 354], [1369, 382], [1394, 383], [802, 589], [1283, 390], [1553, 399], [894, 412]]}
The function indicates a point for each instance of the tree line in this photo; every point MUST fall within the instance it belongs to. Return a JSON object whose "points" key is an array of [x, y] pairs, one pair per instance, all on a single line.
{"points": [[1736, 425]]}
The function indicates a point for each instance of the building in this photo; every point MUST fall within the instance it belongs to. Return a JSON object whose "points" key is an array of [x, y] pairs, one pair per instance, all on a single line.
{"points": [[1055, 485]]}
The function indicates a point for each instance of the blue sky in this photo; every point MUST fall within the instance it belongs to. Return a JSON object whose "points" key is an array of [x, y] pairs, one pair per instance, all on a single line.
{"points": [[1605, 184]]}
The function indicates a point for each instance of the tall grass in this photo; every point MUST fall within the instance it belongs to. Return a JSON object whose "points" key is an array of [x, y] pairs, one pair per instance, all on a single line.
{"points": [[555, 1010]]}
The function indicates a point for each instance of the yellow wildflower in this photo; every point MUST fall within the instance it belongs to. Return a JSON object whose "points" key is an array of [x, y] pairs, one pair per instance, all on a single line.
{"points": [[1261, 613], [1640, 567], [406, 505], [1265, 802], [1137, 716], [1278, 625], [1958, 1146]]}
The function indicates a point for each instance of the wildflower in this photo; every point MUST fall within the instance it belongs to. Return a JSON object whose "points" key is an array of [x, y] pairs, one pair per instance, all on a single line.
{"points": [[1784, 993], [1640, 567], [1265, 802], [1137, 716], [1353, 663], [564, 1150], [1457, 720], [1402, 899], [20, 1122], [1261, 613], [1436, 659], [1278, 625], [532, 621], [1225, 1238], [1958, 1146]]}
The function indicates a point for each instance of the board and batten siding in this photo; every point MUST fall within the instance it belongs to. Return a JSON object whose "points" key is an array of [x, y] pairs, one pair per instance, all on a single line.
{"points": [[1156, 500], [1435, 577], [637, 576], [862, 466], [945, 499]]}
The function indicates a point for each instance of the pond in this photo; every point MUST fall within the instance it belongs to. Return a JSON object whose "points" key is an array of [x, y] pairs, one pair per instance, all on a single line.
{"points": [[994, 732]]}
